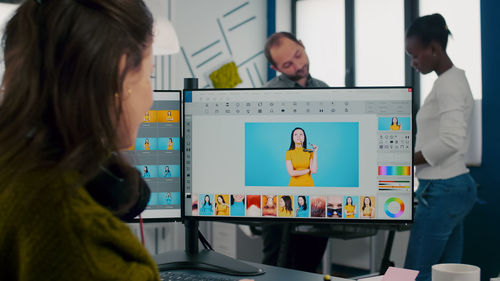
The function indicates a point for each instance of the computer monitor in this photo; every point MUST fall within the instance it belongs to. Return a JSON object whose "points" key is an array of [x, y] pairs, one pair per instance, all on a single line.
{"points": [[157, 155], [330, 155]]}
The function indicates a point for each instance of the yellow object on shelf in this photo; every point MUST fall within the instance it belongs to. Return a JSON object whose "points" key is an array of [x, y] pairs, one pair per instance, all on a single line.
{"points": [[226, 76]]}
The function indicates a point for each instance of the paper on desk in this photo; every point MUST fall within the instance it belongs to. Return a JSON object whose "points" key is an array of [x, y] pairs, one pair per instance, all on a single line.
{"points": [[399, 274]]}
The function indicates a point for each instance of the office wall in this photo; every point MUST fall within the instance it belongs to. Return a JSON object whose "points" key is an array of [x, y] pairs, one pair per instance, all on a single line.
{"points": [[482, 227], [211, 34]]}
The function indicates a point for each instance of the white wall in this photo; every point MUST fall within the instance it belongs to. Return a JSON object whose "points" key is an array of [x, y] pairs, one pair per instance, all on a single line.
{"points": [[212, 33]]}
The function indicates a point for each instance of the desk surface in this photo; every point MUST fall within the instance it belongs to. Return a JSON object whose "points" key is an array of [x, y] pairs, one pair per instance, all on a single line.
{"points": [[273, 273]]}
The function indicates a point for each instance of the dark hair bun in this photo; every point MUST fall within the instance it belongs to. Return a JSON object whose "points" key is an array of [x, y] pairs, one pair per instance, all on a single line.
{"points": [[430, 28]]}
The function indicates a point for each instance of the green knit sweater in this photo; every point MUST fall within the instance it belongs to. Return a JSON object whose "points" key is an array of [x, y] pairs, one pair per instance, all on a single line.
{"points": [[53, 233]]}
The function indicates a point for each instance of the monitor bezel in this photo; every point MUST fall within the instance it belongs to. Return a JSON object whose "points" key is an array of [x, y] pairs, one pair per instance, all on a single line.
{"points": [[301, 221], [181, 131]]}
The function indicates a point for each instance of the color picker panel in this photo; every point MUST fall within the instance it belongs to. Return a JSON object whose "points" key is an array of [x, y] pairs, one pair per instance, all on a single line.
{"points": [[394, 170]]}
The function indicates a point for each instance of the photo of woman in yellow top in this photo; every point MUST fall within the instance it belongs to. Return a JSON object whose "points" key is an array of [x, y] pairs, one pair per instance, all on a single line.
{"points": [[300, 161], [170, 144], [285, 206], [395, 126], [221, 207], [146, 144], [350, 208], [169, 116], [367, 210]]}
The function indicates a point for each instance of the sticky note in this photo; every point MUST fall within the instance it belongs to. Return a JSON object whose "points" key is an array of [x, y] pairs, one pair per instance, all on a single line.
{"points": [[400, 274]]}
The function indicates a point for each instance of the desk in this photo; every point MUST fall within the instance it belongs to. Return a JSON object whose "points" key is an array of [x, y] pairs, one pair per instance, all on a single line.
{"points": [[273, 273]]}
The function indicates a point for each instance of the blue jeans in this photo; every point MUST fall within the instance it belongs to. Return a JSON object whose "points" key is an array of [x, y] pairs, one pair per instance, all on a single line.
{"points": [[437, 233]]}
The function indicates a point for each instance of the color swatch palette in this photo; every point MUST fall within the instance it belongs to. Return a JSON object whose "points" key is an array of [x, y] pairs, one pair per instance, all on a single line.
{"points": [[388, 184], [394, 170]]}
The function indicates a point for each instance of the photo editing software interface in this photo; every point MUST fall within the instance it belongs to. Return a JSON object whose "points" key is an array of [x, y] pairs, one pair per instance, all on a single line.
{"points": [[156, 154], [326, 154]]}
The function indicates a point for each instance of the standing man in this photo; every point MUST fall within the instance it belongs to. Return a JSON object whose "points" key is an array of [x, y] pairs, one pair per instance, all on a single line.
{"points": [[304, 252]]}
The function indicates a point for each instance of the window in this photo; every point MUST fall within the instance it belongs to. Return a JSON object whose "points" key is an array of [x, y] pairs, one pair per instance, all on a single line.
{"points": [[379, 31], [321, 27], [464, 46]]}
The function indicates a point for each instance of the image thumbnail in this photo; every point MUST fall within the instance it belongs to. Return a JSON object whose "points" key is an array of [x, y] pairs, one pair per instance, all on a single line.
{"points": [[285, 208], [222, 205], [148, 171], [169, 171], [206, 205], [194, 205], [302, 206], [367, 207], [169, 143], [269, 205], [334, 207], [323, 154], [164, 198], [146, 144], [168, 116], [150, 116], [253, 206], [394, 123], [351, 204], [318, 206], [237, 205]]}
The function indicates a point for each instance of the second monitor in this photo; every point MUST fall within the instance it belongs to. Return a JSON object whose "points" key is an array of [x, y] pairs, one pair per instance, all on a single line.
{"points": [[334, 154]]}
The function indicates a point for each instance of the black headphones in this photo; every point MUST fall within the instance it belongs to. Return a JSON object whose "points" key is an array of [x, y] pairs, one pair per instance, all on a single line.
{"points": [[120, 189]]}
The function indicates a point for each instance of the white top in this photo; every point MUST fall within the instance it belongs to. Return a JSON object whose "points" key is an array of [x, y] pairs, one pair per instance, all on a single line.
{"points": [[442, 124]]}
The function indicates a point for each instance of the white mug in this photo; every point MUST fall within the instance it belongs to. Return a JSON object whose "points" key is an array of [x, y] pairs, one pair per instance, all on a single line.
{"points": [[455, 272]]}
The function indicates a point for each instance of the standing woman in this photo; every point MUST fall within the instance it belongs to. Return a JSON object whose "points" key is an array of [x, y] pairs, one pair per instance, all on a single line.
{"points": [[301, 162], [446, 191], [74, 93]]}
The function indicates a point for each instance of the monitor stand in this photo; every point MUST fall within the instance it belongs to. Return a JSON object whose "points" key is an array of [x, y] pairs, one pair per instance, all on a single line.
{"points": [[192, 258]]}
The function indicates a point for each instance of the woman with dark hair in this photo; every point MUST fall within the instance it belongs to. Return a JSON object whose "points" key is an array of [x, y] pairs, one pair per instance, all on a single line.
{"points": [[221, 207], [302, 211], [446, 191], [170, 144], [285, 206], [206, 208], [169, 116], [166, 172], [395, 126], [300, 161], [367, 210], [74, 92], [145, 172], [350, 208]]}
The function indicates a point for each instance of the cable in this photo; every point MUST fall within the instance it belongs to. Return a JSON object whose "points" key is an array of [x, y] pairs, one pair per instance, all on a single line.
{"points": [[141, 226], [204, 241]]}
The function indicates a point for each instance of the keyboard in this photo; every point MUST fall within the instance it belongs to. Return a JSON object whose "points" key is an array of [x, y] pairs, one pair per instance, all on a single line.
{"points": [[173, 276]]}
